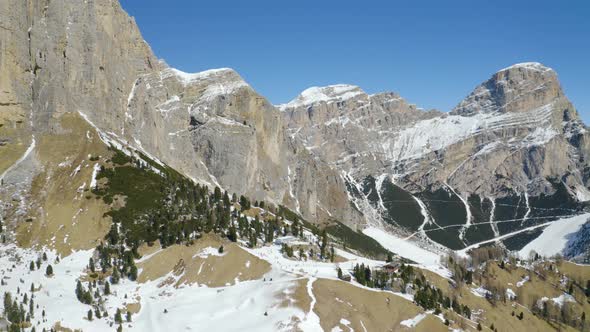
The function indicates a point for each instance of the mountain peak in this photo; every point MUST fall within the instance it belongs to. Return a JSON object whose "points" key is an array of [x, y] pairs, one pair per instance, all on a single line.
{"points": [[518, 88], [536, 66], [330, 93], [219, 74]]}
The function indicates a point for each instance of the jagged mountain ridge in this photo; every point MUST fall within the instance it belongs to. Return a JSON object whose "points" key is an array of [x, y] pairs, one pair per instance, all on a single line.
{"points": [[515, 148], [332, 153], [90, 58]]}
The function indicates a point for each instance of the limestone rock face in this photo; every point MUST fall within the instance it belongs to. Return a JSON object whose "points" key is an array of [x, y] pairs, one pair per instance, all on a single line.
{"points": [[215, 128], [515, 141], [513, 131], [58, 57], [68, 56], [350, 130], [333, 153], [89, 58], [518, 88]]}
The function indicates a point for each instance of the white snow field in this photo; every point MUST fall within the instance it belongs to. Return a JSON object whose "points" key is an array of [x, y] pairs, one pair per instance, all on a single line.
{"points": [[240, 307], [189, 308], [409, 250], [413, 321], [555, 237]]}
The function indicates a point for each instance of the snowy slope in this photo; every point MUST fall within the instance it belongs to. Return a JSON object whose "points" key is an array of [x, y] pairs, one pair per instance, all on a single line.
{"points": [[555, 237], [409, 250], [240, 307], [331, 93]]}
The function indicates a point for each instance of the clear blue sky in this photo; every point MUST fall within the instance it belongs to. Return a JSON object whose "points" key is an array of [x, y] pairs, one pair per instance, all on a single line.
{"points": [[433, 53]]}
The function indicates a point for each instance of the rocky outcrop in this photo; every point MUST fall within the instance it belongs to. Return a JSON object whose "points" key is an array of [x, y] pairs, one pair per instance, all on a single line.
{"points": [[516, 139], [332, 153], [509, 133], [518, 88], [215, 128], [349, 129], [89, 58]]}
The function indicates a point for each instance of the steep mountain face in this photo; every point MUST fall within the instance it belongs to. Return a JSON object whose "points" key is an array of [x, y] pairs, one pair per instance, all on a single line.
{"points": [[89, 58], [57, 58], [216, 129], [512, 154], [577, 248]]}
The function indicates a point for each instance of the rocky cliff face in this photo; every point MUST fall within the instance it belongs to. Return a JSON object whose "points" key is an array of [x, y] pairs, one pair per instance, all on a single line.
{"points": [[515, 142], [215, 128], [58, 58], [512, 153], [89, 58]]}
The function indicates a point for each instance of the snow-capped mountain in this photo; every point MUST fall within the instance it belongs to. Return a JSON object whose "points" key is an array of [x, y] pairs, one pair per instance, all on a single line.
{"points": [[137, 197], [512, 154]]}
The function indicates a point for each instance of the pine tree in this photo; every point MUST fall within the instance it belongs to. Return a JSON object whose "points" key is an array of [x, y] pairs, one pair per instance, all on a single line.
{"points": [[118, 318], [32, 307], [79, 290], [89, 315], [389, 258], [324, 244], [295, 228], [466, 311], [232, 235], [115, 277], [128, 317], [339, 273], [49, 271], [220, 250], [107, 288], [217, 194], [32, 266], [332, 254], [133, 273]]}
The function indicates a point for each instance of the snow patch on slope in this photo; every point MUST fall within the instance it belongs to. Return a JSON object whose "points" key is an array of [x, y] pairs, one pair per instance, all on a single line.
{"points": [[555, 237], [330, 93], [435, 134], [582, 194], [528, 65], [20, 160], [95, 170], [403, 248], [412, 322], [188, 78]]}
